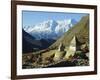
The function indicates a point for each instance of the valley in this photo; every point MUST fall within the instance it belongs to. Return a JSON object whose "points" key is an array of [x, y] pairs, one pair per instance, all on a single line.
{"points": [[70, 49]]}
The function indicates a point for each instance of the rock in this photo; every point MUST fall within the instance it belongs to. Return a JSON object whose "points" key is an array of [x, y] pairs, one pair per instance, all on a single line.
{"points": [[58, 55], [84, 48], [72, 48]]}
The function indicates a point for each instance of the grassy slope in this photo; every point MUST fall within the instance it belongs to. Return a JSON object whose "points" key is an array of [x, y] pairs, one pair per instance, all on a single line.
{"points": [[80, 30]]}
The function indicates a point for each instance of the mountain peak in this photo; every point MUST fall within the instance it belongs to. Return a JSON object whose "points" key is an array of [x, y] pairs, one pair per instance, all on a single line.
{"points": [[80, 31], [50, 28]]}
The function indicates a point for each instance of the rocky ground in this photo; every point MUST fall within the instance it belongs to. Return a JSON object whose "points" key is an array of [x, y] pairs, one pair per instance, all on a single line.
{"points": [[45, 59]]}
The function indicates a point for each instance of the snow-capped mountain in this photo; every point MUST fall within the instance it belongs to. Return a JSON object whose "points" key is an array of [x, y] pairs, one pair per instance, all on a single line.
{"points": [[50, 29]]}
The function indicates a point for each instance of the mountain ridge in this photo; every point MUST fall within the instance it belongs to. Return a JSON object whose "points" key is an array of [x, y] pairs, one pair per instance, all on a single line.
{"points": [[30, 44], [50, 29], [80, 30]]}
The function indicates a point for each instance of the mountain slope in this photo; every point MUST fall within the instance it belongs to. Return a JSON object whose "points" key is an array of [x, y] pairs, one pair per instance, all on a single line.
{"points": [[26, 42], [29, 43], [80, 30]]}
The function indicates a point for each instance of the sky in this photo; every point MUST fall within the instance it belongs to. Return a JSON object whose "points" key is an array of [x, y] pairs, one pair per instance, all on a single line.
{"points": [[30, 18]]}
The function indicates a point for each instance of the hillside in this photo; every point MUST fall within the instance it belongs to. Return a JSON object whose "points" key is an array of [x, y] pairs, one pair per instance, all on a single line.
{"points": [[80, 30], [30, 44]]}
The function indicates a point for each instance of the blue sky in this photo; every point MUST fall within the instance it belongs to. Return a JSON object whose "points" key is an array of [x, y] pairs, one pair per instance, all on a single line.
{"points": [[33, 17]]}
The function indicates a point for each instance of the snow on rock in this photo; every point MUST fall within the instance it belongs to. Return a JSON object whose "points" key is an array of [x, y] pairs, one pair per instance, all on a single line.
{"points": [[50, 29]]}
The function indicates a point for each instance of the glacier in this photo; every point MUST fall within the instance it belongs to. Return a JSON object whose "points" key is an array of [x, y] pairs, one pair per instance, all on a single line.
{"points": [[50, 29]]}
